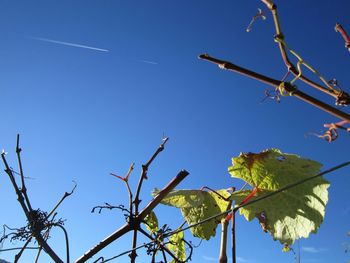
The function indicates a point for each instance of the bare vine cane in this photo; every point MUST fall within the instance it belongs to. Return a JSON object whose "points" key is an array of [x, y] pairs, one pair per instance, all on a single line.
{"points": [[285, 87], [136, 201], [342, 98]]}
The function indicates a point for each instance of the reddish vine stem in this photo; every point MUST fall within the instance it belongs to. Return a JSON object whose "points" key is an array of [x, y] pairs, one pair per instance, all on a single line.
{"points": [[341, 30], [125, 179], [276, 83]]}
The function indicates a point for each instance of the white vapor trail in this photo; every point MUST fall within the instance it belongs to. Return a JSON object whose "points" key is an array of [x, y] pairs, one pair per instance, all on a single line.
{"points": [[69, 44], [148, 61]]}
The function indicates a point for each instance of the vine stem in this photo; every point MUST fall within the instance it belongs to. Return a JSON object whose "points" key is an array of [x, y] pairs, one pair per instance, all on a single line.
{"points": [[291, 67], [137, 200], [161, 245], [23, 187], [27, 210], [341, 30], [223, 254], [137, 220], [233, 234], [276, 83]]}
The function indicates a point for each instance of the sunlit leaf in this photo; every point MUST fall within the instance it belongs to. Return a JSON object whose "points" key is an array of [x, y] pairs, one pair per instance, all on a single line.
{"points": [[197, 205], [291, 214], [272, 169], [151, 222], [177, 245]]}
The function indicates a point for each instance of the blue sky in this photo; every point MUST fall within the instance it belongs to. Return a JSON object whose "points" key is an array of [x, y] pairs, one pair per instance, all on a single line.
{"points": [[92, 86]]}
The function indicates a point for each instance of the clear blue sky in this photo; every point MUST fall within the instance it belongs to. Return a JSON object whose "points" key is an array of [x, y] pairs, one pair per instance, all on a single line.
{"points": [[83, 113]]}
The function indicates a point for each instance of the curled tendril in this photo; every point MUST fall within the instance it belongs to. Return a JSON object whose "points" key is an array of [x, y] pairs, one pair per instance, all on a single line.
{"points": [[334, 82], [260, 14], [332, 133], [39, 222], [273, 95], [343, 98], [108, 206]]}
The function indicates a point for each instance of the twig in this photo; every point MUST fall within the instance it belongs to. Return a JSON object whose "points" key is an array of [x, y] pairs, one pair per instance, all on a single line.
{"points": [[126, 212], [137, 200], [161, 245], [16, 248], [191, 250], [19, 254], [38, 254], [254, 18], [66, 194], [29, 217], [341, 30], [125, 179], [100, 258], [137, 220], [66, 241], [23, 188], [127, 252], [46, 236], [144, 172], [164, 257], [278, 84], [341, 97]]}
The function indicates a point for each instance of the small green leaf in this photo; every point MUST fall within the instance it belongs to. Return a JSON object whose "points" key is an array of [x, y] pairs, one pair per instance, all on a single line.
{"points": [[177, 245], [151, 222], [197, 205]]}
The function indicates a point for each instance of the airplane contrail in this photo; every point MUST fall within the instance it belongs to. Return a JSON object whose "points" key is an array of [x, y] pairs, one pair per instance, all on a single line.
{"points": [[148, 61], [69, 44]]}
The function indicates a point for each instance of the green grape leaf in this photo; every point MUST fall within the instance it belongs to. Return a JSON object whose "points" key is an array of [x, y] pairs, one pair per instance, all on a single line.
{"points": [[272, 169], [151, 222], [291, 214], [197, 205], [177, 245]]}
